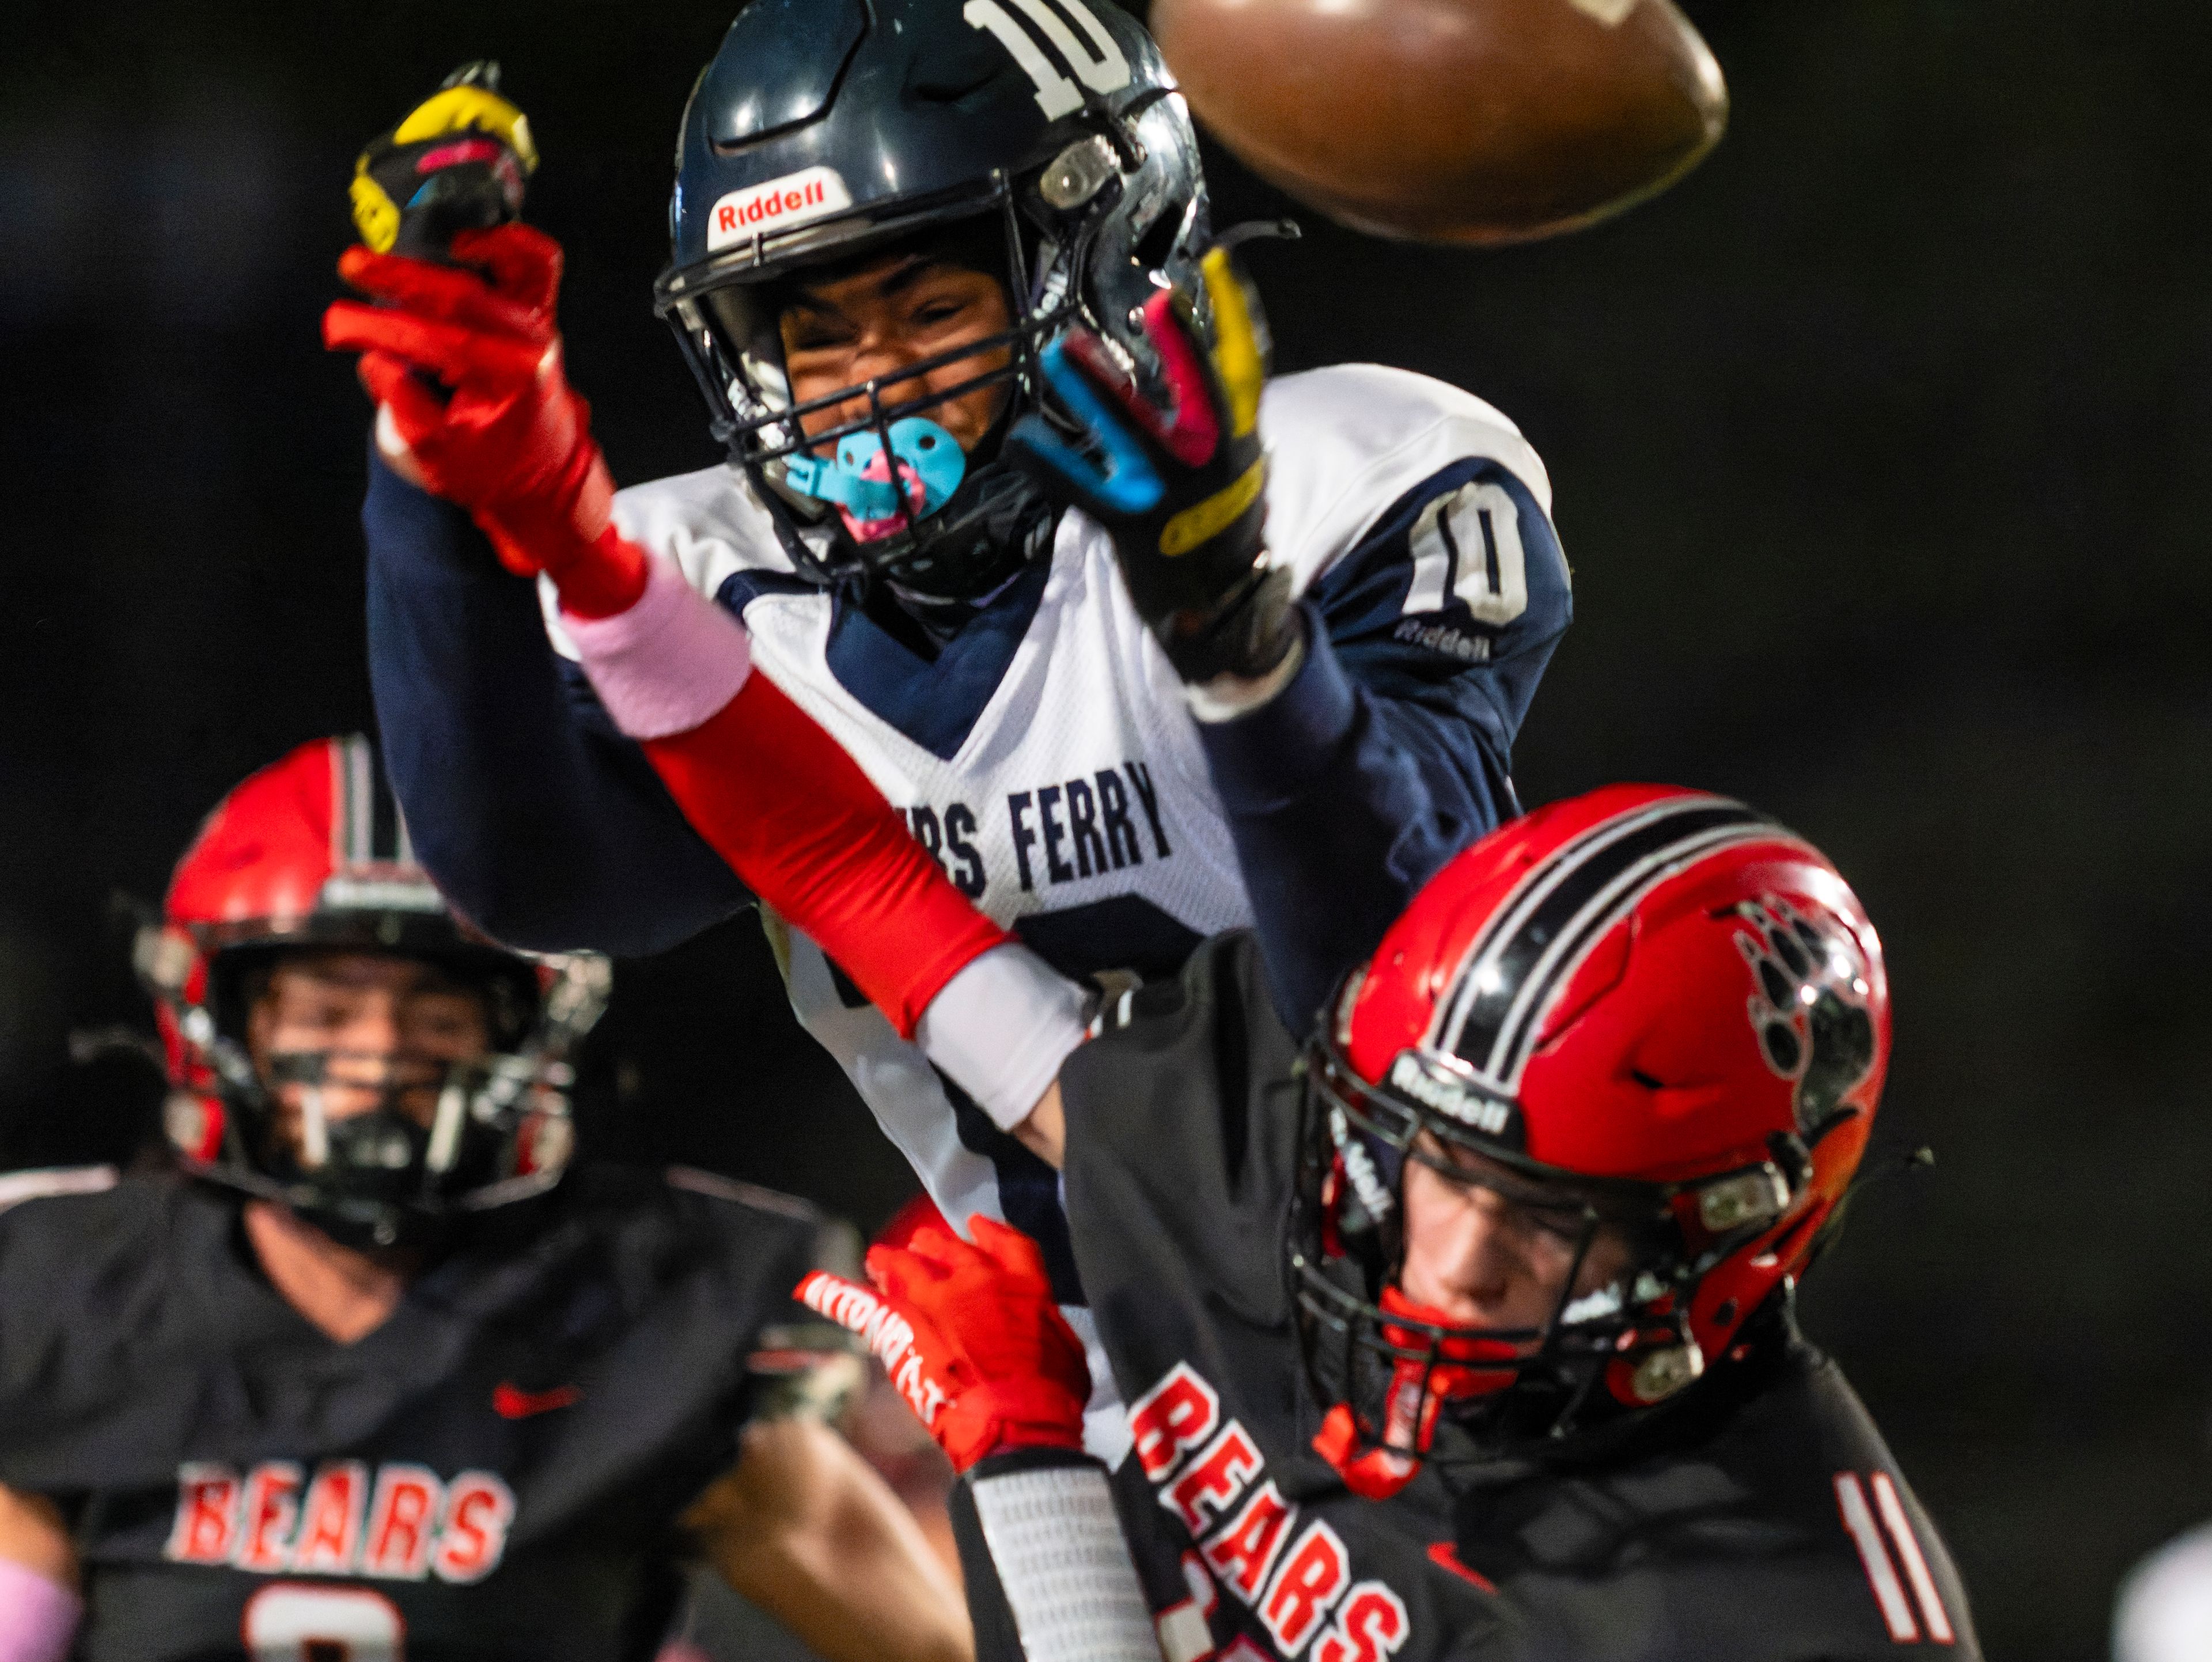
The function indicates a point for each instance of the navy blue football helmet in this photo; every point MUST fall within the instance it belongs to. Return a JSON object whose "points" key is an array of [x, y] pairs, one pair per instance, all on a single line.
{"points": [[826, 130]]}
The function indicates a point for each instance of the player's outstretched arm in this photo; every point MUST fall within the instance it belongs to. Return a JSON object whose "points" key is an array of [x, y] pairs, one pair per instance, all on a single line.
{"points": [[798, 822], [805, 1531], [545, 828], [38, 1602], [1356, 741], [465, 364]]}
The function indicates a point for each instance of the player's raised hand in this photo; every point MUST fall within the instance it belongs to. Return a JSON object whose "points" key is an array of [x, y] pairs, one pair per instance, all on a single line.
{"points": [[1181, 486], [463, 362], [460, 349], [971, 1338]]}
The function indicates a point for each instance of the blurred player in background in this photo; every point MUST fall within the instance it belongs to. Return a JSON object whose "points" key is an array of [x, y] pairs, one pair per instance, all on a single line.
{"points": [[381, 1373], [1075, 619]]}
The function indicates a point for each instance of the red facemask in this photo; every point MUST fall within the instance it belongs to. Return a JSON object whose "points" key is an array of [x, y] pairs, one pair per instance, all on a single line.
{"points": [[1470, 1368]]}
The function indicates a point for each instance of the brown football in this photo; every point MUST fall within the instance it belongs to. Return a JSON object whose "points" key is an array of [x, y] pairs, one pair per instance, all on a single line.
{"points": [[1457, 121]]}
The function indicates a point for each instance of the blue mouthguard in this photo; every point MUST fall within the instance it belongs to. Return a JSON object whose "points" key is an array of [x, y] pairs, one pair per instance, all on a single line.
{"points": [[919, 446]]}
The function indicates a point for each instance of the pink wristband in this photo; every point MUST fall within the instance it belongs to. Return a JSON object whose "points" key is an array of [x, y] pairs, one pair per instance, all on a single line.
{"points": [[668, 662], [37, 1618]]}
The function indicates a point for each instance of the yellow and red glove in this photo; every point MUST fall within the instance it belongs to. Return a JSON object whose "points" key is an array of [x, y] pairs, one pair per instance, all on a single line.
{"points": [[1179, 486], [463, 363], [971, 1338]]}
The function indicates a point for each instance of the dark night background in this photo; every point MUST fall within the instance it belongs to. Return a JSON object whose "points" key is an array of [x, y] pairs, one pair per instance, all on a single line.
{"points": [[1879, 451]]}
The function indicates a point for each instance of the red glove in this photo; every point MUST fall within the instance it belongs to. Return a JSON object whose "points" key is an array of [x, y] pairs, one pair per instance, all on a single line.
{"points": [[511, 442], [971, 1338]]}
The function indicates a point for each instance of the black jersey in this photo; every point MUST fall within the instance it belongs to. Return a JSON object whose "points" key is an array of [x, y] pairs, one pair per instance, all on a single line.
{"points": [[495, 1472], [1765, 1519]]}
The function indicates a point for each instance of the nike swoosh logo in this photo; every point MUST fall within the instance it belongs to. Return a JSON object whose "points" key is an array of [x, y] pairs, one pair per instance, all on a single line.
{"points": [[512, 1402], [1445, 1556]]}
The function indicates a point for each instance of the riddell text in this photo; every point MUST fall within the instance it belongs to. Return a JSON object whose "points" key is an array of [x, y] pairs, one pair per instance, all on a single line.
{"points": [[733, 216]]}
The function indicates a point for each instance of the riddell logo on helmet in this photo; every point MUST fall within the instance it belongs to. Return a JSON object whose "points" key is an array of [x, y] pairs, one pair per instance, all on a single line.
{"points": [[381, 894], [1432, 1088], [764, 210]]}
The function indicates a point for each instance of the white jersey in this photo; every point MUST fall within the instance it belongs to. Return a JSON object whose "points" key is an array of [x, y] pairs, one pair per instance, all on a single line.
{"points": [[1059, 779]]}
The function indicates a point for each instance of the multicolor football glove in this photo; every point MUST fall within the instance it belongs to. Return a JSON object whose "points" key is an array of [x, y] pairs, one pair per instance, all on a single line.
{"points": [[1181, 489], [463, 362], [456, 162], [971, 1338], [460, 351]]}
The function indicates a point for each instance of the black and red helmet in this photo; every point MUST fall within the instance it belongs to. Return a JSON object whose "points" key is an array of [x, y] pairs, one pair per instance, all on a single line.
{"points": [[1652, 1008], [311, 852]]}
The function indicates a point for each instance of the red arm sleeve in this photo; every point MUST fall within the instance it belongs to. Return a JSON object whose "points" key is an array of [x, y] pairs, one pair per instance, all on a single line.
{"points": [[801, 824]]}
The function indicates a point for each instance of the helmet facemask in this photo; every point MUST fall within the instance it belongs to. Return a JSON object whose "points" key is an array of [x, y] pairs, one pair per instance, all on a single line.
{"points": [[497, 1129], [1083, 234], [382, 1177], [1404, 1386], [497, 1126]]}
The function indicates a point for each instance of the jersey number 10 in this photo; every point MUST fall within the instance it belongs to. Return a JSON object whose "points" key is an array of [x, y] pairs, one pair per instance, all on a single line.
{"points": [[1468, 544]]}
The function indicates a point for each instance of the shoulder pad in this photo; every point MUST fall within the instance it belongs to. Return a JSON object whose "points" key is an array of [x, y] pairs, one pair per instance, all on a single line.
{"points": [[1345, 442], [15, 1187]]}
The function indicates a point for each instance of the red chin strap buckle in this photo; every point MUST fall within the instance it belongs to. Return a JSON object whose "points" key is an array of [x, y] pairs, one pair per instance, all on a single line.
{"points": [[1370, 1472], [194, 1121], [1374, 1470]]}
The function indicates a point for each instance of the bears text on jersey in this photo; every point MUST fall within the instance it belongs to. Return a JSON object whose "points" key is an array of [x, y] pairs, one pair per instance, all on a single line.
{"points": [[1211, 1476], [402, 1522]]}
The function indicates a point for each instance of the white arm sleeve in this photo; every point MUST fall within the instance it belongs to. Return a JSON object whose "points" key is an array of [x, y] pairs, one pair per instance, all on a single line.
{"points": [[1063, 1566], [1001, 1027]]}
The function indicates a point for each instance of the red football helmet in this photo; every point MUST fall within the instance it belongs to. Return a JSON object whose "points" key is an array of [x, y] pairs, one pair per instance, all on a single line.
{"points": [[311, 852], [1651, 1009]]}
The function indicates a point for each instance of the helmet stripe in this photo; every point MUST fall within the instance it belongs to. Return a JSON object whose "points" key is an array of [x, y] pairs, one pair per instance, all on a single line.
{"points": [[341, 799], [358, 801], [386, 842], [1517, 966]]}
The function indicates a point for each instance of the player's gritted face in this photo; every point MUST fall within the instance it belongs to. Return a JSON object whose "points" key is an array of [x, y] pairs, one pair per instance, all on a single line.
{"points": [[879, 321], [1488, 1248], [386, 1026]]}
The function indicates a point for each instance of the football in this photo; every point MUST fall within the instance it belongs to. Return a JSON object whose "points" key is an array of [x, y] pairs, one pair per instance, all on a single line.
{"points": [[1451, 121]]}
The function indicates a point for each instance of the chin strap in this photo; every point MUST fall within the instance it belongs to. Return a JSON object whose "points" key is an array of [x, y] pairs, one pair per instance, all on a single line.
{"points": [[996, 524], [1375, 1468]]}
